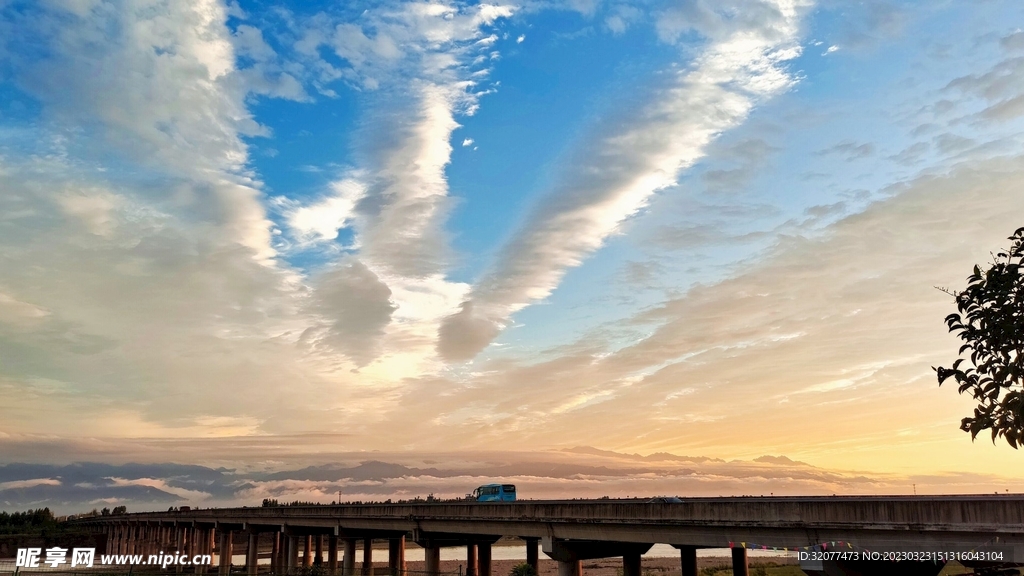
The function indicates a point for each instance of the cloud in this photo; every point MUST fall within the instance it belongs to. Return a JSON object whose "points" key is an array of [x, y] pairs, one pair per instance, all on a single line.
{"points": [[850, 151], [951, 143], [621, 16], [612, 179], [718, 20], [191, 496], [418, 58], [16, 484], [420, 61], [141, 288], [356, 306], [136, 107], [869, 24], [467, 142], [1013, 42], [583, 471], [844, 324], [747, 158], [1001, 87], [911, 154], [321, 222]]}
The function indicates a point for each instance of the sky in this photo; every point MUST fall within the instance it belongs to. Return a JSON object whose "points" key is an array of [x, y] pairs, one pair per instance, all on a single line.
{"points": [[596, 247]]}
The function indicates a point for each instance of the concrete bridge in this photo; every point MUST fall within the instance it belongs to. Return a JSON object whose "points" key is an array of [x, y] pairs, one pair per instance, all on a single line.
{"points": [[572, 531]]}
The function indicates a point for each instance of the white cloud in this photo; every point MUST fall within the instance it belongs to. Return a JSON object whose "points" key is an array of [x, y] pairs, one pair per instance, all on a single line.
{"points": [[614, 178], [120, 67], [14, 311], [163, 486], [17, 484], [830, 50], [321, 221], [621, 17], [420, 61], [520, 38]]}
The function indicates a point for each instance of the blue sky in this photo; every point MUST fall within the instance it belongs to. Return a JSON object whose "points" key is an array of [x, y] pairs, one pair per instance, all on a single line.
{"points": [[708, 228]]}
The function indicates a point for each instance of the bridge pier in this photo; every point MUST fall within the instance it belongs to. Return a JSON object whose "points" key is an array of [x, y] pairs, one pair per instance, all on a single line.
{"points": [[740, 567], [471, 560], [571, 553], [292, 557], [332, 554], [211, 541], [128, 546], [531, 553], [688, 559], [570, 568], [275, 553], [227, 538], [348, 565], [631, 564], [307, 551], [186, 540], [200, 547], [483, 558], [432, 560], [318, 559], [396, 556], [252, 553], [367, 556], [179, 544]]}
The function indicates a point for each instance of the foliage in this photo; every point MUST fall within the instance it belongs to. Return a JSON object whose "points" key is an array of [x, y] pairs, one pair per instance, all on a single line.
{"points": [[314, 570], [759, 571], [990, 321], [523, 569], [28, 522], [118, 510]]}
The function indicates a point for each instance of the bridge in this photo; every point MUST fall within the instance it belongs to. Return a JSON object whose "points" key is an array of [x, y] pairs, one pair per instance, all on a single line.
{"points": [[980, 531]]}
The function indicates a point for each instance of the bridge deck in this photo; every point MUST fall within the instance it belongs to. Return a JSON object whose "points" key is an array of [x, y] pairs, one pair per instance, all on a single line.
{"points": [[899, 522]]}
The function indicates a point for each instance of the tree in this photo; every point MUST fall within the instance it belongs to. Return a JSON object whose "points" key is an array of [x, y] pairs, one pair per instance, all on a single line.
{"points": [[990, 321], [118, 510]]}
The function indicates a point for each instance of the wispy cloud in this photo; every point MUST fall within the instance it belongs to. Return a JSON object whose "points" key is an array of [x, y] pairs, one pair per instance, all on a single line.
{"points": [[420, 62], [613, 179], [16, 484]]}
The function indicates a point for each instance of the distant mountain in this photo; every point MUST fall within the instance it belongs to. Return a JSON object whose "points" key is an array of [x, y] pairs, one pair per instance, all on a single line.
{"points": [[655, 457]]}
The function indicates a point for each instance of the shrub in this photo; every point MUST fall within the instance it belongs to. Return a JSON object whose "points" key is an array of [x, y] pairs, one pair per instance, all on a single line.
{"points": [[523, 569]]}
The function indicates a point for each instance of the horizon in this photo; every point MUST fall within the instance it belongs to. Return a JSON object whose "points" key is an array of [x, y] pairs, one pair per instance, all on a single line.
{"points": [[599, 245]]}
